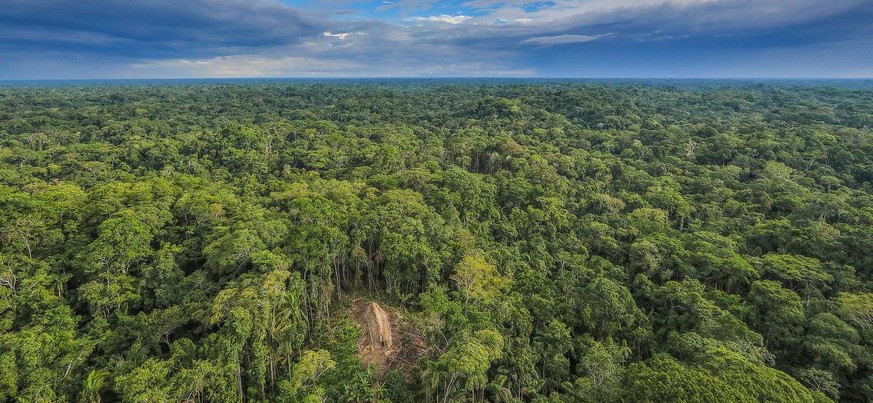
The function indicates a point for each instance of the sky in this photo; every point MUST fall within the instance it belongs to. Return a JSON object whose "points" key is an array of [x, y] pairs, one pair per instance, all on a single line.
{"points": [[107, 39]]}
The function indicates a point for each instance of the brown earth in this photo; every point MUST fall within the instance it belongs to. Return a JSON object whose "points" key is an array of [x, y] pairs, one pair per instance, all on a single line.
{"points": [[387, 341]]}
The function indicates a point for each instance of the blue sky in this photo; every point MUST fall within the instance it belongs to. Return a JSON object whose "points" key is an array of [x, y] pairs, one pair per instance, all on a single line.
{"points": [[57, 39]]}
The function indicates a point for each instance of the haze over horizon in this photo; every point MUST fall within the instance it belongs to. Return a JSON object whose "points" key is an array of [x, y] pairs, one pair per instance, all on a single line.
{"points": [[100, 39]]}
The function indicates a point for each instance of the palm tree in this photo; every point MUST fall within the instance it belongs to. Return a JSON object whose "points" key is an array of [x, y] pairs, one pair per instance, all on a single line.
{"points": [[94, 383]]}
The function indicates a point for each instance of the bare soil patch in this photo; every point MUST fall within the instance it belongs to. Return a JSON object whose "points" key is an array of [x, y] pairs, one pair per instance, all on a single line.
{"points": [[387, 341]]}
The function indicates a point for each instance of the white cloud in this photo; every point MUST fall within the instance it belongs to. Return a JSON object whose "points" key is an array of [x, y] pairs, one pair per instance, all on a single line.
{"points": [[341, 36], [382, 52], [561, 39], [246, 66], [449, 19]]}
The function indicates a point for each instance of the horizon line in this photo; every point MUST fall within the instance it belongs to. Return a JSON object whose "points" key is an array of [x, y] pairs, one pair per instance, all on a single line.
{"points": [[750, 78]]}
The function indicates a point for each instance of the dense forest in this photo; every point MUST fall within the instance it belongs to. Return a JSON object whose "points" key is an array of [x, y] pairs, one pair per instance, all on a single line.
{"points": [[548, 242]]}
